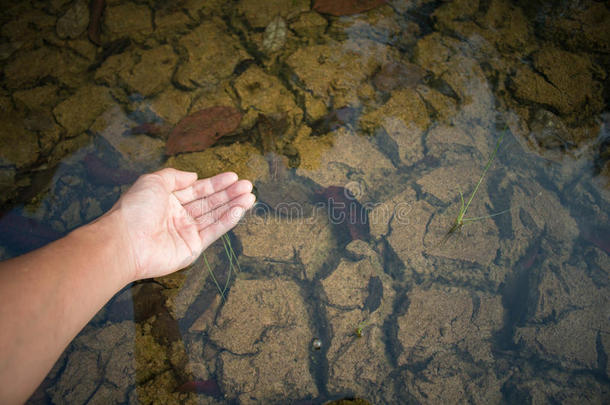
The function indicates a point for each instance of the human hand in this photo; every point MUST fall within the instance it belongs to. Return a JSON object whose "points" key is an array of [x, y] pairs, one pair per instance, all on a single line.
{"points": [[169, 217]]}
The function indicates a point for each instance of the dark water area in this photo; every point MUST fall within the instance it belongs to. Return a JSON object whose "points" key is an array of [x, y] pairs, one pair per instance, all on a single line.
{"points": [[361, 125]]}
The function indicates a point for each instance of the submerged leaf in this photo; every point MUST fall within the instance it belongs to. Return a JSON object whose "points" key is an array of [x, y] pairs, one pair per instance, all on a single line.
{"points": [[345, 7], [398, 75], [345, 211], [99, 172], [96, 9], [202, 129], [275, 35], [207, 387]]}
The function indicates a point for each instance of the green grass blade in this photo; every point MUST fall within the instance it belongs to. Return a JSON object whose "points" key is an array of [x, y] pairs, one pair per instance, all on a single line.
{"points": [[487, 166], [486, 216], [205, 259], [232, 257], [230, 248]]}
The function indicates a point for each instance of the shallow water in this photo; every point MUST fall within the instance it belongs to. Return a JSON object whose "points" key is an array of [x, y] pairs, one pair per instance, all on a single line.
{"points": [[359, 133]]}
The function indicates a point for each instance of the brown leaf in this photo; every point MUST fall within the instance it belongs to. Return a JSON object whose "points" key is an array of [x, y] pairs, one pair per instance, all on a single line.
{"points": [[396, 75], [96, 9], [346, 213], [345, 7], [202, 129]]}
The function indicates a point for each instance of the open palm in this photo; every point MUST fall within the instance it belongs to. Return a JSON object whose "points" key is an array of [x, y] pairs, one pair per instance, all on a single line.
{"points": [[169, 217]]}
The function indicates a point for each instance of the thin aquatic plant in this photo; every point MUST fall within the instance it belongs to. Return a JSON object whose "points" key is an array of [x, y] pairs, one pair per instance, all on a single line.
{"points": [[233, 266], [459, 219], [205, 259], [230, 256]]}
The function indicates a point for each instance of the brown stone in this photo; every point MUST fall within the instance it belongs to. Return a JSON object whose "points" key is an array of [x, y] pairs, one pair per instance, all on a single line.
{"points": [[18, 146], [128, 19], [78, 112], [152, 73], [210, 55], [241, 158], [444, 319], [264, 333]]}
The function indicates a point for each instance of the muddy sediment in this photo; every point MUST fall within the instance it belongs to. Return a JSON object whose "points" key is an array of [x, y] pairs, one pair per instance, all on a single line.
{"points": [[512, 308]]}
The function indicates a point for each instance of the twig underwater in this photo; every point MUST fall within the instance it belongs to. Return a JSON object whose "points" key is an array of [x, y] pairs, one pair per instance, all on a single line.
{"points": [[459, 219]]}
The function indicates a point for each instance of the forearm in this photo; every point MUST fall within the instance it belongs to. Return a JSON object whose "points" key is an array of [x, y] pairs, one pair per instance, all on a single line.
{"points": [[49, 295]]}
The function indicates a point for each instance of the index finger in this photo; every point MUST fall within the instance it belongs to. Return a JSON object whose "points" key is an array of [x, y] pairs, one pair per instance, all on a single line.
{"points": [[205, 187]]}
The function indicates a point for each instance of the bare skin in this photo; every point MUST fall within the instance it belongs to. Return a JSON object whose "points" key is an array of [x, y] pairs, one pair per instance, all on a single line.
{"points": [[160, 225]]}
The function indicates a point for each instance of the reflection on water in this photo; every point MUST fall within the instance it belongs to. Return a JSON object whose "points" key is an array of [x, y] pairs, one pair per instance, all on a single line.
{"points": [[393, 112]]}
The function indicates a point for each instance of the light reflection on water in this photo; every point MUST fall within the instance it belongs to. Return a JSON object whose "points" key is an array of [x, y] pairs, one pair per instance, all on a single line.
{"points": [[392, 113]]}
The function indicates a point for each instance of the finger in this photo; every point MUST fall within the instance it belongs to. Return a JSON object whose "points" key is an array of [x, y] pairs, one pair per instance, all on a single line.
{"points": [[175, 179], [224, 224], [204, 205], [205, 187], [245, 201]]}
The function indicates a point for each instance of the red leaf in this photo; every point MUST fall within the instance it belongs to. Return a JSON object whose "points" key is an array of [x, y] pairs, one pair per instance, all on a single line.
{"points": [[96, 9], [101, 173], [207, 387], [345, 7], [345, 211], [23, 234], [202, 129]]}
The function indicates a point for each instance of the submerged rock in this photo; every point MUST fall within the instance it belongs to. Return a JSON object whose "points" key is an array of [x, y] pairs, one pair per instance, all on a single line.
{"points": [[26, 69], [477, 242], [309, 25], [351, 159], [259, 14], [211, 55], [566, 83], [447, 378], [181, 297], [262, 93], [404, 119], [74, 22], [302, 245], [241, 158], [139, 152], [153, 71], [80, 110], [266, 333], [101, 364], [321, 70], [127, 19], [18, 146], [544, 386], [576, 26], [567, 316], [406, 218], [357, 298], [448, 319]]}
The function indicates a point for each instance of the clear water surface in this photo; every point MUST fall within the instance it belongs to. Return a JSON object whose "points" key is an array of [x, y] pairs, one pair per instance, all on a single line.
{"points": [[359, 131]]}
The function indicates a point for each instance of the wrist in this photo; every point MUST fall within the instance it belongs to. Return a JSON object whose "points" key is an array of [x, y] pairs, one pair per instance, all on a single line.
{"points": [[107, 238]]}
